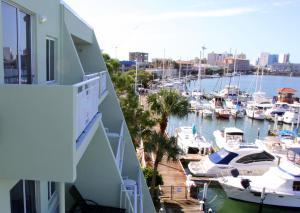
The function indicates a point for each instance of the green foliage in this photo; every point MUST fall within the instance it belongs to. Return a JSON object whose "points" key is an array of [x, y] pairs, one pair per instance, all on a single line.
{"points": [[165, 103], [143, 77], [139, 121], [160, 145], [148, 173], [111, 64]]}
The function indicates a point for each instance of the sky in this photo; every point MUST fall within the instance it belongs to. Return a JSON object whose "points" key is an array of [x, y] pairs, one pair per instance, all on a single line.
{"points": [[179, 28]]}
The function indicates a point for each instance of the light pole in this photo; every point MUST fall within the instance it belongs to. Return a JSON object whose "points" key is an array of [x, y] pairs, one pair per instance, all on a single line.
{"points": [[136, 72]]}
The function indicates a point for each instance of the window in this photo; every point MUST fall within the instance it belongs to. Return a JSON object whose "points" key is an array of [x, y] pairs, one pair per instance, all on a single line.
{"points": [[16, 29], [51, 189], [50, 63], [22, 197], [296, 186], [257, 157], [222, 156]]}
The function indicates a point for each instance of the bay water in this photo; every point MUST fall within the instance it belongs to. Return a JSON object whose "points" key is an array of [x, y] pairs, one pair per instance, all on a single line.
{"points": [[253, 129]]}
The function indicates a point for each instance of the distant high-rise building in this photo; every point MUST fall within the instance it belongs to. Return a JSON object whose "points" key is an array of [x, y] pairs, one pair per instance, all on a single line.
{"points": [[140, 57], [273, 59], [267, 59], [217, 58], [284, 58]]}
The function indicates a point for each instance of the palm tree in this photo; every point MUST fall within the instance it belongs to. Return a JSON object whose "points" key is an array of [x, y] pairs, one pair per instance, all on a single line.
{"points": [[165, 103], [160, 145]]}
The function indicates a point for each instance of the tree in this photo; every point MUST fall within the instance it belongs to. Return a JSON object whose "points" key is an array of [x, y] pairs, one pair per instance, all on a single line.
{"points": [[148, 174], [144, 77], [160, 145], [111, 63], [165, 103]]}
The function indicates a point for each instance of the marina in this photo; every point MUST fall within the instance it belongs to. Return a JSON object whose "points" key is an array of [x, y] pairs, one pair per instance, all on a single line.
{"points": [[253, 130]]}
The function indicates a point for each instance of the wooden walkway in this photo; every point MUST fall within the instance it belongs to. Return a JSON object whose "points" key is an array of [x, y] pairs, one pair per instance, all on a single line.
{"points": [[173, 175]]}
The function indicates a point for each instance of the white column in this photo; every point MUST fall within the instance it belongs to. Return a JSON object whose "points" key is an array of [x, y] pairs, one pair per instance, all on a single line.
{"points": [[61, 197]]}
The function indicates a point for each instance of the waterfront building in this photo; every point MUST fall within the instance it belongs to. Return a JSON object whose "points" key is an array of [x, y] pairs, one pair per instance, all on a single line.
{"points": [[61, 123], [267, 59], [140, 57], [241, 65], [160, 73], [217, 58], [185, 66], [284, 58], [285, 67]]}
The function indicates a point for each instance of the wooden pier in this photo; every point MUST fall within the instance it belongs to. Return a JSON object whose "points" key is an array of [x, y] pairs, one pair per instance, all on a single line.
{"points": [[175, 196]]}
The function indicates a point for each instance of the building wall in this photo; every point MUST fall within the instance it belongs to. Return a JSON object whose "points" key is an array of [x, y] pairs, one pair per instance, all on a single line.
{"points": [[139, 56]]}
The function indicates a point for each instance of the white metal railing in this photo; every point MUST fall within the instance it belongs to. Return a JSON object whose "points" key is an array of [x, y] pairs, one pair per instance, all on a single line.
{"points": [[87, 102], [121, 147], [140, 190], [125, 200], [90, 76], [103, 80]]}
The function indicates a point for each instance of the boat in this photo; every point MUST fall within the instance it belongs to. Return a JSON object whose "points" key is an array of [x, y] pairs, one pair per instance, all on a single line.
{"points": [[237, 112], [191, 142], [231, 138], [279, 186], [279, 108], [255, 112], [207, 113], [292, 116], [222, 113], [216, 102], [248, 160]]}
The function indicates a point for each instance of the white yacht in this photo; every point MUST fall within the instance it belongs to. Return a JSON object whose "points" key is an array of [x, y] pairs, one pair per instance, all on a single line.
{"points": [[231, 138], [207, 113], [191, 142], [279, 108], [279, 186], [255, 112], [247, 160], [292, 115]]}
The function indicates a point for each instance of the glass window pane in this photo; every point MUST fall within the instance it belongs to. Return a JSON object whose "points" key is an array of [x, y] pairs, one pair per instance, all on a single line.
{"points": [[50, 59], [16, 198], [10, 48], [47, 61], [24, 48], [30, 196]]}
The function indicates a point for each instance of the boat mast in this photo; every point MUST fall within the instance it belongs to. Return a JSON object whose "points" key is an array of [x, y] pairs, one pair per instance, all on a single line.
{"points": [[199, 72], [256, 82], [163, 72]]}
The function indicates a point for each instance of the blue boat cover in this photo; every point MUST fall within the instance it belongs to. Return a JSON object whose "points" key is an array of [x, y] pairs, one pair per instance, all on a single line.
{"points": [[222, 156], [286, 132]]}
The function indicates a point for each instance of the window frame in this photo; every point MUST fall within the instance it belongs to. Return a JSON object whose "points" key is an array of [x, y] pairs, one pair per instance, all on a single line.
{"points": [[54, 40], [32, 40], [49, 188]]}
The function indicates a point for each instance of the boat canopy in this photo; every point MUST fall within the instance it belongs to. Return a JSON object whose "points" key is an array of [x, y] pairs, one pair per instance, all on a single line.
{"points": [[286, 132], [222, 156]]}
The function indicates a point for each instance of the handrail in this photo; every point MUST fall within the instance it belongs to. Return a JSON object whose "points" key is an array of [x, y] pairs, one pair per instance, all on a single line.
{"points": [[120, 150], [85, 82]]}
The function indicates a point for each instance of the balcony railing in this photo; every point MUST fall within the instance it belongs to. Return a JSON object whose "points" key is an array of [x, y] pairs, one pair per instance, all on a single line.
{"points": [[103, 80], [87, 102], [121, 147]]}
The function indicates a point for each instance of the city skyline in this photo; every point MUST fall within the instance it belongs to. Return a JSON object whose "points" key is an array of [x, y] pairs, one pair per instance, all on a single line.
{"points": [[182, 28]]}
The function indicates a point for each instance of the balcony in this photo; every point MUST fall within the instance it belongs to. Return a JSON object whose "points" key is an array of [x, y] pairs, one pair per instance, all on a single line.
{"points": [[46, 128]]}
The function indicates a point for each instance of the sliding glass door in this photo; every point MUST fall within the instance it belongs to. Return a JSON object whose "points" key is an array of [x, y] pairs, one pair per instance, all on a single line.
{"points": [[22, 197], [16, 45]]}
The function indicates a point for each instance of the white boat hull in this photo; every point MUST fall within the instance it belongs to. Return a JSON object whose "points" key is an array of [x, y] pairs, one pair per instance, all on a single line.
{"points": [[255, 115], [255, 197]]}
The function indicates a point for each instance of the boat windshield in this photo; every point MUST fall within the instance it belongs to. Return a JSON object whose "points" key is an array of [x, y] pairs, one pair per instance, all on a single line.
{"points": [[222, 156], [293, 154]]}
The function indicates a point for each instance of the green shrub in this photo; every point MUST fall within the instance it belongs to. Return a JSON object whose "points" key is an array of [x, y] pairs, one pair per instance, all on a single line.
{"points": [[148, 173]]}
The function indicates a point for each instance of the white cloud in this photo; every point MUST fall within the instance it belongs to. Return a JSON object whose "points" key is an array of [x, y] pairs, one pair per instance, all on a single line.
{"points": [[166, 16], [281, 3]]}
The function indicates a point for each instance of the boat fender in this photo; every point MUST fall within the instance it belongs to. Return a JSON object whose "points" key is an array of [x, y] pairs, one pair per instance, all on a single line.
{"points": [[245, 183], [235, 172]]}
